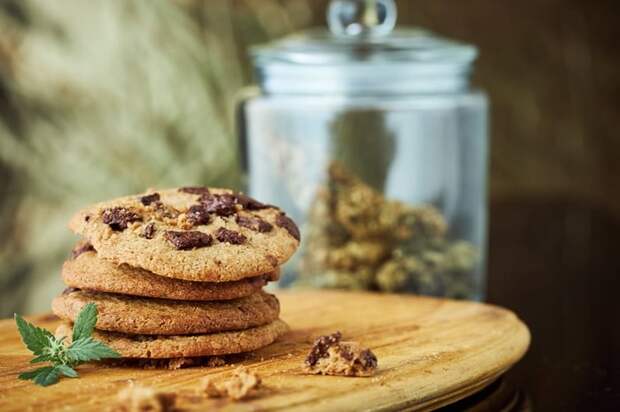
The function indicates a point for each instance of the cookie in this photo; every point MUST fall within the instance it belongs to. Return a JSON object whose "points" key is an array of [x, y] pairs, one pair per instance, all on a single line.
{"points": [[199, 234], [128, 314], [88, 271], [330, 355], [223, 343]]}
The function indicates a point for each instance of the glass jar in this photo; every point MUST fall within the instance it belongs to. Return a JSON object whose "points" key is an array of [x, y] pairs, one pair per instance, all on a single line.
{"points": [[373, 141]]}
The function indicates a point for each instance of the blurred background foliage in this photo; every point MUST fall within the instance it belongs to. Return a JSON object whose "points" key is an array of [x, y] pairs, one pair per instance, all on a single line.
{"points": [[107, 97]]}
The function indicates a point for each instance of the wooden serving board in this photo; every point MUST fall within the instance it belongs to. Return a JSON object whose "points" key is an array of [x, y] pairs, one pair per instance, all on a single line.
{"points": [[431, 352]]}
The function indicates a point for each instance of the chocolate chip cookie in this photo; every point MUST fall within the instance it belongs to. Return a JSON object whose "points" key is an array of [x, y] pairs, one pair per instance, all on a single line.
{"points": [[128, 314], [88, 271], [181, 346], [191, 233]]}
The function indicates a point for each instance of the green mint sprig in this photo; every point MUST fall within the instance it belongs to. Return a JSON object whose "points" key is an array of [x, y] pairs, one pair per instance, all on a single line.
{"points": [[63, 358]]}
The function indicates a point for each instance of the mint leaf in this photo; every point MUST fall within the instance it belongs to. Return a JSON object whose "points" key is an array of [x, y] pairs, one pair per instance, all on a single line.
{"points": [[85, 322], [67, 371], [63, 358], [36, 339], [88, 349], [42, 358], [42, 376]]}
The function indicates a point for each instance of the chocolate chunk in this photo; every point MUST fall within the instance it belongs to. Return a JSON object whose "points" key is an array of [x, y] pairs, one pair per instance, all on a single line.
{"points": [[230, 236], [250, 203], [221, 205], [188, 240], [149, 231], [118, 218], [368, 359], [198, 215], [195, 190], [320, 347], [285, 222], [148, 199], [254, 223], [83, 248]]}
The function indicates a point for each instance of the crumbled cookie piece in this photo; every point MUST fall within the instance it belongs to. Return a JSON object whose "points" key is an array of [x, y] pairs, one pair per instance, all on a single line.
{"points": [[82, 247], [188, 240], [287, 223], [221, 205], [148, 199], [332, 356], [241, 385], [119, 217], [254, 223], [195, 190], [148, 231], [230, 236], [137, 398]]}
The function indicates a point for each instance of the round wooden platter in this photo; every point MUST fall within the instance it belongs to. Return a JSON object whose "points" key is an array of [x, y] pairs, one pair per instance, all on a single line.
{"points": [[432, 352]]}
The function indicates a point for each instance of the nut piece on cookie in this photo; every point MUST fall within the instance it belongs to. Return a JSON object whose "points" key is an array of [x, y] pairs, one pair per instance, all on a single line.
{"points": [[241, 385], [332, 356], [136, 398]]}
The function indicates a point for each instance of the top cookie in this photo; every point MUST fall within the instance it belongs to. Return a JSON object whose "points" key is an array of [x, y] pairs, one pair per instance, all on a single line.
{"points": [[192, 233]]}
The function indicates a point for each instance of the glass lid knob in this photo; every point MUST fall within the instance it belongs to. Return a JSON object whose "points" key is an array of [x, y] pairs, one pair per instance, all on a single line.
{"points": [[361, 18]]}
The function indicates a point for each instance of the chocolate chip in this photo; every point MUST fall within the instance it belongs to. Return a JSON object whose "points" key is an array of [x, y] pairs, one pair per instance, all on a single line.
{"points": [[320, 347], [83, 248], [254, 223], [221, 205], [86, 218], [118, 218], [195, 190], [149, 231], [198, 215], [368, 359], [285, 222], [250, 203], [148, 199], [188, 240], [230, 236]]}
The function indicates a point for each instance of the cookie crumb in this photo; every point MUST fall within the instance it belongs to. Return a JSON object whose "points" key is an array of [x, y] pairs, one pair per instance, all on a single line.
{"points": [[241, 385], [137, 398], [331, 356]]}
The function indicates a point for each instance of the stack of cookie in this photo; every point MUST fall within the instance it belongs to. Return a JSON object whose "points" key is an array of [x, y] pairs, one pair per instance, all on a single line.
{"points": [[178, 273]]}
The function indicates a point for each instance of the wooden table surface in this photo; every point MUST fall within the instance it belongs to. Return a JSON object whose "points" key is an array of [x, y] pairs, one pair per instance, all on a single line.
{"points": [[431, 352]]}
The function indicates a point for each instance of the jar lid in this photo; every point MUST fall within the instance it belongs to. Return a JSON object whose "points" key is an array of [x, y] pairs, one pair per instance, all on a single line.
{"points": [[361, 54]]}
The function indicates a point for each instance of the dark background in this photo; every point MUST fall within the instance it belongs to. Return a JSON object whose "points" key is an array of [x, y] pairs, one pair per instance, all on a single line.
{"points": [[551, 70]]}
